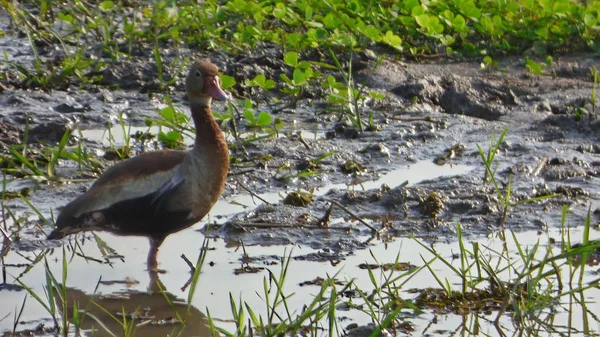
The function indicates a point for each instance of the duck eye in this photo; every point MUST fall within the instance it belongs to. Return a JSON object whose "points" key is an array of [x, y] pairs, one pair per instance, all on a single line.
{"points": [[198, 74]]}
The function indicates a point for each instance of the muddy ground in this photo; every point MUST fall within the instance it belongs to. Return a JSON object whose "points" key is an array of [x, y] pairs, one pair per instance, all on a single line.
{"points": [[546, 151]]}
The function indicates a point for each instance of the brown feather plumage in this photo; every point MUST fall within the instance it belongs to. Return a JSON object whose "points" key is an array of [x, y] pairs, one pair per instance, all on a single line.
{"points": [[157, 193]]}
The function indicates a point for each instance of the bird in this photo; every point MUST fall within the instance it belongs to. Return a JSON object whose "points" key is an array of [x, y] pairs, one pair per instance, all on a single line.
{"points": [[155, 194]]}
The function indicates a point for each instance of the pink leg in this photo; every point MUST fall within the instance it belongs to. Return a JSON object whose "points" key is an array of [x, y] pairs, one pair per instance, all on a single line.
{"points": [[152, 253], [153, 286]]}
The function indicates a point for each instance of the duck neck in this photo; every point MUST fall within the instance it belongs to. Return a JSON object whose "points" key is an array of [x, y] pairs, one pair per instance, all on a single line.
{"points": [[209, 138]]}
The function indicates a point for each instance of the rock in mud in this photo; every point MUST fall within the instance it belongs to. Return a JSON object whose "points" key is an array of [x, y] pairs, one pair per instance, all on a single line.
{"points": [[70, 107], [469, 98], [133, 74], [427, 89], [10, 134], [51, 132], [365, 331]]}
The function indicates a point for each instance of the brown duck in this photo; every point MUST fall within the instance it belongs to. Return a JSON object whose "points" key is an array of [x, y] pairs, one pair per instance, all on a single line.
{"points": [[158, 193]]}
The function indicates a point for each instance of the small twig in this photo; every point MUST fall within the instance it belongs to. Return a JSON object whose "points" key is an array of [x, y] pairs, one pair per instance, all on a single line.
{"points": [[404, 184], [233, 126], [324, 221], [540, 166], [254, 195], [354, 215], [192, 272], [5, 234], [303, 141], [5, 229], [238, 173], [3, 272], [245, 257], [237, 110], [282, 225], [89, 258], [414, 119], [189, 263], [187, 283], [146, 322]]}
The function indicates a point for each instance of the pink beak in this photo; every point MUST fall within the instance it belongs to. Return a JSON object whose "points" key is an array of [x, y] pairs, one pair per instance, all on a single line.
{"points": [[212, 87]]}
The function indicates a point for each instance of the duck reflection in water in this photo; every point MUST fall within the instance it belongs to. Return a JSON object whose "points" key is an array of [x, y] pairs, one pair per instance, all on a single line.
{"points": [[154, 313]]}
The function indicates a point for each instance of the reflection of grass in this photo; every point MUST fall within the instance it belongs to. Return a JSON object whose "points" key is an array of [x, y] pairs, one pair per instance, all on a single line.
{"points": [[524, 285], [278, 319], [55, 293], [535, 278]]}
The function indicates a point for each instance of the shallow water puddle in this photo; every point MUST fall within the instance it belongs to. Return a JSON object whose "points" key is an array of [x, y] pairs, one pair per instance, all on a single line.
{"points": [[125, 284]]}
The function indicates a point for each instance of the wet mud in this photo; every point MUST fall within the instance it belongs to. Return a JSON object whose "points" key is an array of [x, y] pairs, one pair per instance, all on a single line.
{"points": [[546, 152], [437, 111]]}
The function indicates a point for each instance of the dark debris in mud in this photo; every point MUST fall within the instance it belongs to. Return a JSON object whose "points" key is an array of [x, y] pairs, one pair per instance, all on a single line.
{"points": [[10, 134], [10, 287], [247, 270], [325, 255], [400, 266], [319, 281], [355, 330], [479, 300], [40, 330]]}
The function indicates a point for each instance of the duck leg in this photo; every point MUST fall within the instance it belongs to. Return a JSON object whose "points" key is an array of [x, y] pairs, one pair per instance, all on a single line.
{"points": [[155, 286], [153, 252]]}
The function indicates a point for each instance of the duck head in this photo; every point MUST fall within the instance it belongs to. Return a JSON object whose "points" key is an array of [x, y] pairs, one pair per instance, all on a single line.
{"points": [[203, 83]]}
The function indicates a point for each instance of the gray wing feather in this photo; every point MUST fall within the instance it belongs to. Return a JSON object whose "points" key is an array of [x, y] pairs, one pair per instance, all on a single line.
{"points": [[164, 191]]}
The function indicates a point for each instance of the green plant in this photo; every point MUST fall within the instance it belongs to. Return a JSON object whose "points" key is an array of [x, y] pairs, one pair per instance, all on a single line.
{"points": [[301, 75], [254, 121], [83, 158], [595, 79], [260, 81], [26, 161], [55, 154], [534, 277], [505, 200], [385, 302], [278, 320], [306, 169], [122, 151], [263, 119], [469, 27], [488, 63], [346, 94], [127, 325], [488, 159], [55, 295]]}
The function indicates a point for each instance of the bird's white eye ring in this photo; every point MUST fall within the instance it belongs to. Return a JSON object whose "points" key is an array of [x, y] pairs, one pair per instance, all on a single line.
{"points": [[198, 74]]}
